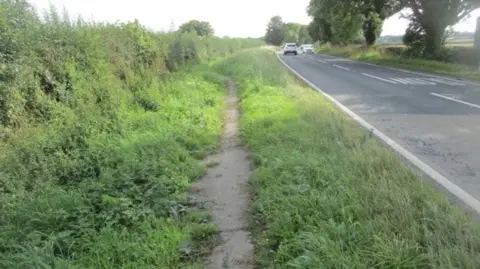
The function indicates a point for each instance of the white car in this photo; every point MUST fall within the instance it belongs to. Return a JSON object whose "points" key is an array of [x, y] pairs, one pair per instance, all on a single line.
{"points": [[307, 48], [290, 48]]}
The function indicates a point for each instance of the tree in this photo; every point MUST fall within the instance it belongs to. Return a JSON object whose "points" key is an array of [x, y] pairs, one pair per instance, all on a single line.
{"points": [[346, 17], [292, 31], [275, 31], [341, 17], [320, 30], [372, 27], [172, 26], [434, 16], [303, 35], [201, 28], [374, 13], [477, 35], [297, 33], [414, 39]]}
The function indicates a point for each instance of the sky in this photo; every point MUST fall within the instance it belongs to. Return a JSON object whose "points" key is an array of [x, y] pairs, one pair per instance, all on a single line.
{"points": [[236, 18]]}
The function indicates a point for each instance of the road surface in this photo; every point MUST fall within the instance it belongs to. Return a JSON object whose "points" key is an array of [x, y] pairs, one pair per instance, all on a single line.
{"points": [[435, 118]]}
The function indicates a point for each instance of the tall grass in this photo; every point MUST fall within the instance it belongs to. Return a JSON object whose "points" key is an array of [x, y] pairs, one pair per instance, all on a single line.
{"points": [[327, 194], [101, 129]]}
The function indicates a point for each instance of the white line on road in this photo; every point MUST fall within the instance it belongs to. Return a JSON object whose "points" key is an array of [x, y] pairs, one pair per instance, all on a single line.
{"points": [[423, 81], [455, 100], [403, 81], [445, 81], [413, 81], [458, 82], [432, 173], [322, 61], [341, 67], [382, 79]]}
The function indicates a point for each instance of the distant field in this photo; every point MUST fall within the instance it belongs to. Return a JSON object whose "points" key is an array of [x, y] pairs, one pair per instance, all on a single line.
{"points": [[460, 43], [450, 43]]}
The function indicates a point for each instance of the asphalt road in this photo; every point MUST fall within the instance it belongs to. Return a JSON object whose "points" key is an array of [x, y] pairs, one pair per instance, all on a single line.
{"points": [[437, 119]]}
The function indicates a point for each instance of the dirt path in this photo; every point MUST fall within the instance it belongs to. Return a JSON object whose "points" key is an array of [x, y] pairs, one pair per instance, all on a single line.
{"points": [[225, 189]]}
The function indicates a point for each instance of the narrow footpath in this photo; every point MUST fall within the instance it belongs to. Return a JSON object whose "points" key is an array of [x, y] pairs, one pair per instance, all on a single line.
{"points": [[225, 190]]}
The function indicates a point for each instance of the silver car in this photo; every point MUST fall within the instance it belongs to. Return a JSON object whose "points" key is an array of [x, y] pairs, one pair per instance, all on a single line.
{"points": [[290, 48], [307, 48]]}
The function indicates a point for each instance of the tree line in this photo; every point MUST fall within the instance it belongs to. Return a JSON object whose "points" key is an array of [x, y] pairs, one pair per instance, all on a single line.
{"points": [[343, 22], [279, 32]]}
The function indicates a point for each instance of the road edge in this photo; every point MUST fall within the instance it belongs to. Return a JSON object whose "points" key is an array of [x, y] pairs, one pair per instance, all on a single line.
{"points": [[425, 168]]}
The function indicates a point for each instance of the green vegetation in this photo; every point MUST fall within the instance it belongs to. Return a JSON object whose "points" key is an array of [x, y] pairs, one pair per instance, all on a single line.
{"points": [[426, 45], [327, 194], [394, 56], [347, 21], [279, 32], [359, 22], [342, 22], [201, 28], [430, 19], [101, 129]]}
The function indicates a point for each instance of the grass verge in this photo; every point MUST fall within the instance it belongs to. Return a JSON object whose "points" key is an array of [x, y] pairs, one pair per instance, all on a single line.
{"points": [[328, 195], [376, 56]]}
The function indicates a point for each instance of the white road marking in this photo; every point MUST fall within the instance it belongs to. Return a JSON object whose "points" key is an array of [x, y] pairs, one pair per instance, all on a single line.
{"points": [[382, 79], [458, 82], [455, 100], [432, 173], [322, 61], [341, 67], [445, 81], [426, 81], [414, 81], [337, 60], [422, 81], [403, 81]]}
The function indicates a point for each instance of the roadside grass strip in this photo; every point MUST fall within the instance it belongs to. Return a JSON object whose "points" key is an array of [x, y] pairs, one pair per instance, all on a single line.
{"points": [[329, 195]]}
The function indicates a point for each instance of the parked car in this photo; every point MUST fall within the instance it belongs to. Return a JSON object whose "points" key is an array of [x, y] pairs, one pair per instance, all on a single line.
{"points": [[307, 48], [290, 48]]}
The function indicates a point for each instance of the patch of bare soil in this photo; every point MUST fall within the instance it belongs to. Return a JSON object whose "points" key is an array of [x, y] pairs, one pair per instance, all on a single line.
{"points": [[225, 191]]}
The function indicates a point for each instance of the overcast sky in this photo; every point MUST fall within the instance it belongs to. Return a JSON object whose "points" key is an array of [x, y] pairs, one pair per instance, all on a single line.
{"points": [[238, 18]]}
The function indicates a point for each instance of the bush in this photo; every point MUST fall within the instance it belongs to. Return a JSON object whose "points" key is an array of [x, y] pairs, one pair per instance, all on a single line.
{"points": [[457, 55], [460, 55]]}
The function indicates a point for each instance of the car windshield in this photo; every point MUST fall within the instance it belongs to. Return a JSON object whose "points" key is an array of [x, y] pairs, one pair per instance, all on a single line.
{"points": [[291, 45]]}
